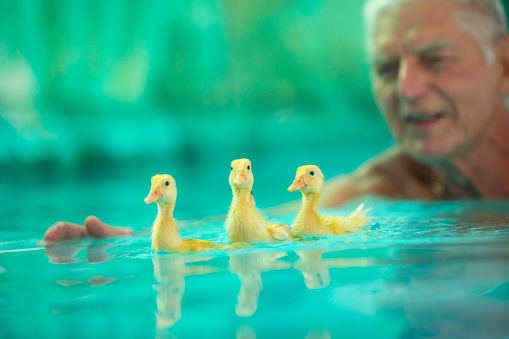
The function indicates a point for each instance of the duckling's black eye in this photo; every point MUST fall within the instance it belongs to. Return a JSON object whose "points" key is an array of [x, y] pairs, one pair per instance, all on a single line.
{"points": [[248, 167], [167, 183], [312, 173], [231, 168]]}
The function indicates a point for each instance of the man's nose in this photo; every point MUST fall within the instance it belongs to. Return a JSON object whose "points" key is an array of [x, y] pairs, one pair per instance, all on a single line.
{"points": [[412, 79]]}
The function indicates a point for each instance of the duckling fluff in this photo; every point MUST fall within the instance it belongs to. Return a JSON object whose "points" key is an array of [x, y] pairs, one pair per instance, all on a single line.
{"points": [[165, 236], [244, 223], [309, 180]]}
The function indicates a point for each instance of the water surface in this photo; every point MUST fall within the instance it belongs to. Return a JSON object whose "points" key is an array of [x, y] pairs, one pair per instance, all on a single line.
{"points": [[418, 270]]}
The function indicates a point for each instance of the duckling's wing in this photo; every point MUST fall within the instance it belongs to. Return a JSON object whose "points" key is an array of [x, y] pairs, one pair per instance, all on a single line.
{"points": [[279, 231]]}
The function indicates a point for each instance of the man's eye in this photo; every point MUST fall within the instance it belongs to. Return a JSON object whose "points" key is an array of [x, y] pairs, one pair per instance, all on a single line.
{"points": [[387, 70], [435, 60]]}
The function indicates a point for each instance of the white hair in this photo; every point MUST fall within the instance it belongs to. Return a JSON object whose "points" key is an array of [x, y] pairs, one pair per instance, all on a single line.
{"points": [[487, 22]]}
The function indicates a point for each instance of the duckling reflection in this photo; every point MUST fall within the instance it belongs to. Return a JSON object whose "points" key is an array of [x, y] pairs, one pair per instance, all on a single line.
{"points": [[169, 272], [314, 269], [245, 332], [322, 334], [248, 267]]}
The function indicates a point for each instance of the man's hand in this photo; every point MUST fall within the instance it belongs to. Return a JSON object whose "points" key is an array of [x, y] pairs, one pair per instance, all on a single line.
{"points": [[93, 228]]}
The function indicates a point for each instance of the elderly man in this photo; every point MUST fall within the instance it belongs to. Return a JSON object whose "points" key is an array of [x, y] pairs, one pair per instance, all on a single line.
{"points": [[440, 76]]}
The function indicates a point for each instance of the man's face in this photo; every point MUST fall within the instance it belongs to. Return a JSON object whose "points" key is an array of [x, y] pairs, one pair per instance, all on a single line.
{"points": [[430, 79]]}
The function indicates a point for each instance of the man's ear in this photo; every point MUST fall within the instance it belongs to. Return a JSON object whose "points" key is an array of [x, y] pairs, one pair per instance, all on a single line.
{"points": [[502, 51]]}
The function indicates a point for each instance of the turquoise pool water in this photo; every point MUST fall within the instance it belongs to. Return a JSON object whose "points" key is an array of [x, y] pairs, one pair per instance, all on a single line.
{"points": [[418, 270]]}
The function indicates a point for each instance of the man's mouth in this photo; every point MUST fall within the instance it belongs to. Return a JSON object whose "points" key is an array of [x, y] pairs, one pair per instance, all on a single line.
{"points": [[423, 119]]}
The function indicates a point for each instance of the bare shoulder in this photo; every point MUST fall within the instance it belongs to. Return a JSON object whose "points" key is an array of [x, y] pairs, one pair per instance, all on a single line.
{"points": [[384, 175]]}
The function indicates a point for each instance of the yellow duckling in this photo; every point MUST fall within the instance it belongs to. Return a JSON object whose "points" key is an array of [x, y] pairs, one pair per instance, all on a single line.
{"points": [[165, 236], [309, 180], [244, 223]]}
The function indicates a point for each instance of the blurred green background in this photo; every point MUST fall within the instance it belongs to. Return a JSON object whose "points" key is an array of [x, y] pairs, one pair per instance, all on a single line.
{"points": [[100, 91]]}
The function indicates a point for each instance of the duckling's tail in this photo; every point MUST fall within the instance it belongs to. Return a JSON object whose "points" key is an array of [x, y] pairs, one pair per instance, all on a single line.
{"points": [[358, 217], [280, 231]]}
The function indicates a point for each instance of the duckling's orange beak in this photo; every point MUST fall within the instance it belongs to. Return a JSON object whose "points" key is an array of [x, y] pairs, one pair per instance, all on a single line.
{"points": [[154, 195], [240, 178], [297, 184]]}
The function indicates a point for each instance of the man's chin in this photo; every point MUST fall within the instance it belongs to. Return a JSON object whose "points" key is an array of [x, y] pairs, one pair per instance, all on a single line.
{"points": [[428, 152]]}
